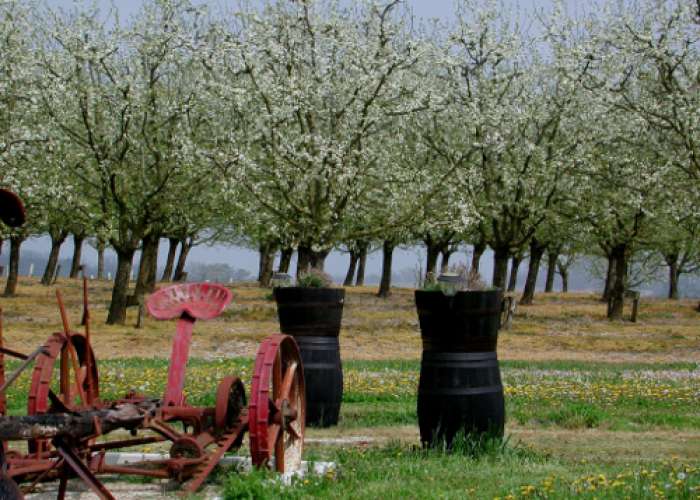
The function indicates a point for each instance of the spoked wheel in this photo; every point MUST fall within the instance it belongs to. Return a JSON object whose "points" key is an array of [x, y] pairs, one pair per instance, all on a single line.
{"points": [[74, 392], [230, 402], [277, 410]]}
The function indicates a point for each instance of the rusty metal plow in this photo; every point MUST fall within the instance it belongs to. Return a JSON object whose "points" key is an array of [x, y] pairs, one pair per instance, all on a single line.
{"points": [[62, 428]]}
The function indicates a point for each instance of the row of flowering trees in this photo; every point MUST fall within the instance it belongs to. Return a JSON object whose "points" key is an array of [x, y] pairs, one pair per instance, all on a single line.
{"points": [[307, 126]]}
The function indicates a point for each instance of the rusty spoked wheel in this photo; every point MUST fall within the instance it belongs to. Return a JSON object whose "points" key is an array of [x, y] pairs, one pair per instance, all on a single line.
{"points": [[74, 392], [277, 410], [230, 402]]}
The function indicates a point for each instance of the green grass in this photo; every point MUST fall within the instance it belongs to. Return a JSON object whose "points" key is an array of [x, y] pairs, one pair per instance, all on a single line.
{"points": [[546, 414], [401, 471], [544, 394], [541, 397], [377, 393], [378, 414]]}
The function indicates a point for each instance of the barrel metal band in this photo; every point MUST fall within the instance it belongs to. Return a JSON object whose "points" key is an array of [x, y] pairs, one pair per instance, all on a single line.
{"points": [[316, 343], [463, 312], [459, 356], [460, 391], [465, 365], [320, 366]]}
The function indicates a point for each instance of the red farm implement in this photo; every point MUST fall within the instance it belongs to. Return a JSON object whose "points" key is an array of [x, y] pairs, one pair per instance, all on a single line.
{"points": [[67, 425]]}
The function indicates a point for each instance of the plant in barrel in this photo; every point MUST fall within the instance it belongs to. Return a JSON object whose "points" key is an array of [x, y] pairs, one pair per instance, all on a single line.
{"points": [[312, 312], [460, 390]]}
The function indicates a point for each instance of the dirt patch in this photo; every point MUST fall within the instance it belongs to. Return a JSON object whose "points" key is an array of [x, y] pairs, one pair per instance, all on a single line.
{"points": [[557, 327], [121, 490]]}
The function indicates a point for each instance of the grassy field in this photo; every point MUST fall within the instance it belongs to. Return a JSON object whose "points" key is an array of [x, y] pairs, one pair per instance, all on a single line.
{"points": [[595, 409]]}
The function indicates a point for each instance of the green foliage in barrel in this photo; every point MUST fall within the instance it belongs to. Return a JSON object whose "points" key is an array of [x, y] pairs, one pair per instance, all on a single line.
{"points": [[315, 278], [459, 278]]}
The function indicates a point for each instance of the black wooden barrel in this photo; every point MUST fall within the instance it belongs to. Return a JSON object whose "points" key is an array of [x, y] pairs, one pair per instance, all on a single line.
{"points": [[460, 389], [317, 312], [313, 317], [323, 377]]}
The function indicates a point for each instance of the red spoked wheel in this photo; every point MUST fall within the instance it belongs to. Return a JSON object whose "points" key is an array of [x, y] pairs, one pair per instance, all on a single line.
{"points": [[277, 410], [75, 392], [230, 404]]}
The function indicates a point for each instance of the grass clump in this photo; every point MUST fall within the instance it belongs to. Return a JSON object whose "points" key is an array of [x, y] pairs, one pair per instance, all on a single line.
{"points": [[267, 485], [577, 415], [475, 445], [314, 278], [459, 278], [258, 484]]}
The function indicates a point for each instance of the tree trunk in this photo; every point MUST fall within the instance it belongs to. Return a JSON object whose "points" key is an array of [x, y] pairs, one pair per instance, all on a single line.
{"points": [[500, 268], [170, 261], [13, 273], [445, 254], [148, 265], [551, 271], [317, 260], [263, 258], [185, 247], [533, 269], [564, 272], [100, 259], [609, 277], [352, 267], [514, 267], [479, 249], [57, 239], [285, 260], [433, 252], [362, 263], [617, 293], [387, 258], [303, 260], [673, 275], [267, 260], [78, 240], [120, 291]]}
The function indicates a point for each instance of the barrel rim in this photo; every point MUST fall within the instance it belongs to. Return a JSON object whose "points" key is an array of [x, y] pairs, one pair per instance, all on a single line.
{"points": [[309, 289], [491, 291]]}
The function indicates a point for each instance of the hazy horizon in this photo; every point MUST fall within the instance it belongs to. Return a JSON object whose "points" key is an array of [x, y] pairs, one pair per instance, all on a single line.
{"points": [[406, 258]]}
